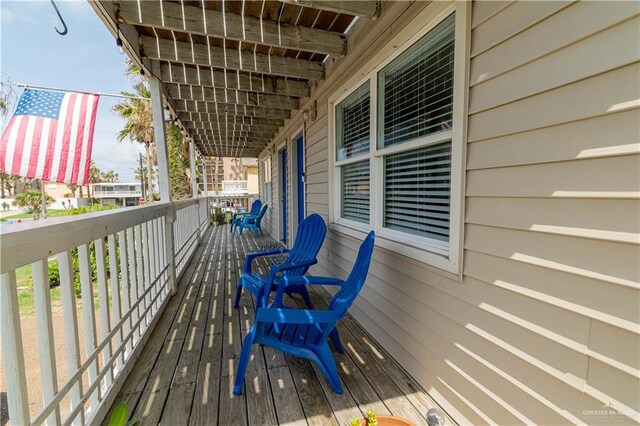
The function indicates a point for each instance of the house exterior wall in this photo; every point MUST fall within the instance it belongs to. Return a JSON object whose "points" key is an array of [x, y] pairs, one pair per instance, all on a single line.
{"points": [[542, 325]]}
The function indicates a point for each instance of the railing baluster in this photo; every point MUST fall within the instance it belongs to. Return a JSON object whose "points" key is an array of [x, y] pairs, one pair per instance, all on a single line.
{"points": [[88, 315], [13, 353], [163, 247], [141, 274], [103, 300], [170, 251], [155, 265], [133, 286], [146, 243], [126, 293], [70, 315], [115, 298], [48, 372]]}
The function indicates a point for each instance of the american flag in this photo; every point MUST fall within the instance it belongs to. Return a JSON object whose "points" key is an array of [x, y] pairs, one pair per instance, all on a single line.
{"points": [[50, 136]]}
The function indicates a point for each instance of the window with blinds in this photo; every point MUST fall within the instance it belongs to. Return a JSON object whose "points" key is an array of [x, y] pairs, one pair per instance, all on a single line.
{"points": [[352, 124], [416, 191], [355, 191], [416, 89]]}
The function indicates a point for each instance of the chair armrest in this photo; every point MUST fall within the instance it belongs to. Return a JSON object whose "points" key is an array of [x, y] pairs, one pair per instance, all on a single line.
{"points": [[296, 316], [310, 280], [251, 256], [263, 296]]}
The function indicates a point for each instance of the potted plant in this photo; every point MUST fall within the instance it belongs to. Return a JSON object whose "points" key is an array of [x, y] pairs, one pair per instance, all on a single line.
{"points": [[373, 419]]}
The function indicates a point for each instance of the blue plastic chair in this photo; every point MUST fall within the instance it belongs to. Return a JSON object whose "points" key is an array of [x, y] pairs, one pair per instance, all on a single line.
{"points": [[254, 211], [252, 222], [301, 256], [304, 332]]}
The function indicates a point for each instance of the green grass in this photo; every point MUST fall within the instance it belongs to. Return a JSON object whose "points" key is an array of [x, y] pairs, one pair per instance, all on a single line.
{"points": [[50, 213], [27, 305], [26, 302], [23, 276]]}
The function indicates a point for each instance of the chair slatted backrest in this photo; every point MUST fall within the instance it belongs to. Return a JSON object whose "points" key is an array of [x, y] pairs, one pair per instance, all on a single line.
{"points": [[309, 239], [263, 210], [343, 299], [256, 206]]}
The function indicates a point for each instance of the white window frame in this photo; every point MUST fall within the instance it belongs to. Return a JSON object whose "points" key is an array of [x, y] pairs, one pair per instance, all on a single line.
{"points": [[442, 255], [267, 186]]}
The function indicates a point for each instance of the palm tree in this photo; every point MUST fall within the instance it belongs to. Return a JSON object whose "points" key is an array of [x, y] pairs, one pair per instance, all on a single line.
{"points": [[31, 201], [110, 176], [138, 125], [138, 118], [95, 176], [7, 94]]}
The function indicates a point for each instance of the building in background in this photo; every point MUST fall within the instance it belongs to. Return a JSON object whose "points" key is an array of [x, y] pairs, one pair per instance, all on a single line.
{"points": [[231, 174], [117, 194]]}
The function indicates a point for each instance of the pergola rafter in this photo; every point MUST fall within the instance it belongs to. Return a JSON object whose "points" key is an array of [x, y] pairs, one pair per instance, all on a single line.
{"points": [[209, 125], [204, 107], [210, 77], [228, 58], [207, 22], [231, 96], [232, 73]]}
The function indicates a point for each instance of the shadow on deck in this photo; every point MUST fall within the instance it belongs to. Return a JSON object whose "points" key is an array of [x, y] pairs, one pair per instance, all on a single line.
{"points": [[186, 371]]}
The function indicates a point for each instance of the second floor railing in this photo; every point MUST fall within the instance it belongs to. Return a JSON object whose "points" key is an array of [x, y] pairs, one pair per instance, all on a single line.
{"points": [[117, 270]]}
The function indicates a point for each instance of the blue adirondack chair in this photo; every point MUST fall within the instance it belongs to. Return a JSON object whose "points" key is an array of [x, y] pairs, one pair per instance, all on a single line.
{"points": [[252, 222], [301, 256], [254, 211], [304, 332]]}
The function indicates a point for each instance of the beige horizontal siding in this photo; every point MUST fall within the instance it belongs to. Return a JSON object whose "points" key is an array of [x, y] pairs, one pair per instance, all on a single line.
{"points": [[581, 139], [545, 320]]}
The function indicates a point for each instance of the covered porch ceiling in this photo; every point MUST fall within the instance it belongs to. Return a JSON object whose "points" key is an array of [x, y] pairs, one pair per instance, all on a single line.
{"points": [[232, 72]]}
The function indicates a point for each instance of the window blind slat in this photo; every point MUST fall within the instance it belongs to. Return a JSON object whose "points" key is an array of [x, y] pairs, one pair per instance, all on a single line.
{"points": [[355, 191], [416, 89], [352, 124], [416, 191]]}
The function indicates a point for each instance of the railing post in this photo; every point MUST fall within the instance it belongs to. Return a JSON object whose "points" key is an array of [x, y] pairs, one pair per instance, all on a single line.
{"points": [[12, 350], [160, 139], [194, 173], [170, 248], [205, 190]]}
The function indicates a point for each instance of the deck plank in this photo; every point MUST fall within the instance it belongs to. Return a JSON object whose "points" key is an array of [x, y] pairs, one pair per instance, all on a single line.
{"points": [[233, 408], [185, 373], [260, 406], [206, 398]]}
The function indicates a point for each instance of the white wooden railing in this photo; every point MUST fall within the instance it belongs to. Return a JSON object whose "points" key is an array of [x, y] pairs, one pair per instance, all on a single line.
{"points": [[86, 352]]}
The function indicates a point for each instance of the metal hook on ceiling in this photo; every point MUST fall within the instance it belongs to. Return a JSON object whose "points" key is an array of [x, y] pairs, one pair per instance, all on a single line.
{"points": [[65, 30]]}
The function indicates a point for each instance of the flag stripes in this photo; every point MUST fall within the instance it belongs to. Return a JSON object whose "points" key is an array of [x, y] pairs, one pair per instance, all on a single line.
{"points": [[50, 136]]}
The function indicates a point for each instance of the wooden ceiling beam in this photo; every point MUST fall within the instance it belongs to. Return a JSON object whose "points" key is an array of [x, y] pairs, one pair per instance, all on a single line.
{"points": [[221, 118], [210, 77], [226, 138], [230, 59], [231, 96], [232, 133], [214, 23], [230, 109], [231, 126], [365, 8]]}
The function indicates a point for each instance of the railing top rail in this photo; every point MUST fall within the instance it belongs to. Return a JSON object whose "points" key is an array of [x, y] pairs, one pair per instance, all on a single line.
{"points": [[25, 243]]}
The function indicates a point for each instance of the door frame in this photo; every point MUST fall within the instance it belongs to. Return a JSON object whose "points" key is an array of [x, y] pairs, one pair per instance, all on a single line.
{"points": [[283, 157], [297, 178]]}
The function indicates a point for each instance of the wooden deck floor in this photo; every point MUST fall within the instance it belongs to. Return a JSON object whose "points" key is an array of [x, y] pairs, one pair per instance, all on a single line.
{"points": [[186, 371]]}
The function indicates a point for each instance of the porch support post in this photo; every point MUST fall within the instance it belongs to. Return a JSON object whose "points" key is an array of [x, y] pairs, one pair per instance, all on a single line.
{"points": [[160, 140], [194, 175], [163, 177], [205, 190]]}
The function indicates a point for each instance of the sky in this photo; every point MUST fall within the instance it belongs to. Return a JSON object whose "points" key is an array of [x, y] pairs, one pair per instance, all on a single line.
{"points": [[86, 59]]}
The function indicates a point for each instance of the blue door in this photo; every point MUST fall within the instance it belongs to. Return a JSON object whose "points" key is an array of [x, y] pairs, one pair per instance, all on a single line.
{"points": [[283, 192], [300, 176]]}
